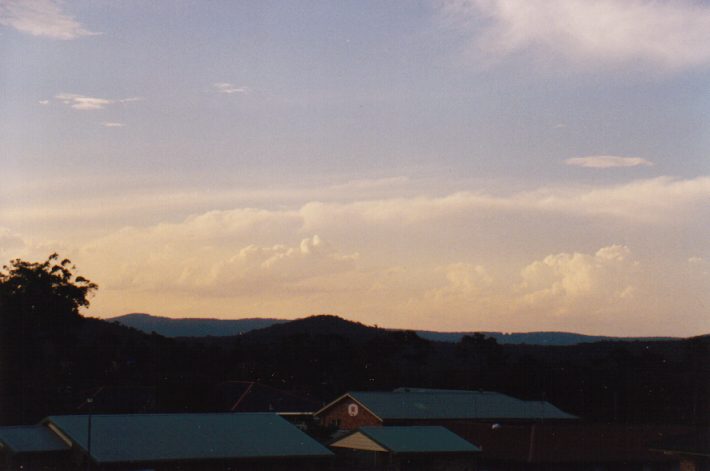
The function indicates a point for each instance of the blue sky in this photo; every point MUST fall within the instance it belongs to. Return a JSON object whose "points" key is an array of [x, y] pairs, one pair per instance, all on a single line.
{"points": [[473, 164]]}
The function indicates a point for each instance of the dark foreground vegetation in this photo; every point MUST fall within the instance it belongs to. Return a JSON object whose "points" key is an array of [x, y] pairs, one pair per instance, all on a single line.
{"points": [[52, 359]]}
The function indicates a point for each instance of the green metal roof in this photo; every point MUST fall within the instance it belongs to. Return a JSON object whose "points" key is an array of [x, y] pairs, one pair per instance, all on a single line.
{"points": [[447, 404], [178, 437], [418, 439], [31, 439]]}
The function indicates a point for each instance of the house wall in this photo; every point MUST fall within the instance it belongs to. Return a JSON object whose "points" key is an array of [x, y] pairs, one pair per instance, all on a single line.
{"points": [[358, 441], [340, 415]]}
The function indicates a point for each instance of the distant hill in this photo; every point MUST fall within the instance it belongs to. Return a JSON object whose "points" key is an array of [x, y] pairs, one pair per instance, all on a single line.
{"points": [[534, 338], [196, 327], [192, 327], [317, 325]]}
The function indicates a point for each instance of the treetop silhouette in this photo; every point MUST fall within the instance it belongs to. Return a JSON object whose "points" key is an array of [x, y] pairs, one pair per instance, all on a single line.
{"points": [[48, 288]]}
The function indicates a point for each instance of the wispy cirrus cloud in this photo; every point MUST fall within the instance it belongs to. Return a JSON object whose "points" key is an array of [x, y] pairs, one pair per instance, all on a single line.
{"points": [[608, 161], [88, 103], [671, 35], [230, 88], [112, 124], [42, 18]]}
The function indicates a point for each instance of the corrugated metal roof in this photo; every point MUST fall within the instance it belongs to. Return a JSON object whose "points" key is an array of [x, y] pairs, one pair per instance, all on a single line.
{"points": [[178, 437], [446, 404], [418, 439], [31, 439]]}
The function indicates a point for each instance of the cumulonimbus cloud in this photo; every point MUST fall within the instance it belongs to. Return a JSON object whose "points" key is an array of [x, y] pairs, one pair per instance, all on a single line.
{"points": [[559, 286], [418, 259], [607, 161], [43, 18], [671, 34], [566, 276]]}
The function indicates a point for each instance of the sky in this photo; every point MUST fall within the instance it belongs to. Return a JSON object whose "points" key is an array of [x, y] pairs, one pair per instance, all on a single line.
{"points": [[495, 165]]}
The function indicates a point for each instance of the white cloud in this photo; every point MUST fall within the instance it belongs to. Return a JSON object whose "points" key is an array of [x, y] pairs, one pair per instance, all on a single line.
{"points": [[655, 200], [87, 103], [672, 34], [464, 281], [42, 18], [81, 102], [112, 124], [197, 256], [43, 102], [16, 245], [258, 269], [370, 184], [322, 210], [607, 161], [9, 241], [476, 260], [559, 282], [650, 200], [700, 264], [413, 261], [607, 291], [229, 88]]}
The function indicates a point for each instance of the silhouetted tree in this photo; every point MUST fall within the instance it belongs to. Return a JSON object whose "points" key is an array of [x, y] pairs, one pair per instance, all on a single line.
{"points": [[46, 291], [39, 307]]}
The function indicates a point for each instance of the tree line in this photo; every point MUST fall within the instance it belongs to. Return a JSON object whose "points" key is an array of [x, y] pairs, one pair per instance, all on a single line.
{"points": [[52, 359]]}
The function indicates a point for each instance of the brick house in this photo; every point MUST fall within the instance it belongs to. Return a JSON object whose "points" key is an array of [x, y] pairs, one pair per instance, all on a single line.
{"points": [[407, 406]]}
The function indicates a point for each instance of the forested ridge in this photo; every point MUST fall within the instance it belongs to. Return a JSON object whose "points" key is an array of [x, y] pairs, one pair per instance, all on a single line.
{"points": [[52, 359]]}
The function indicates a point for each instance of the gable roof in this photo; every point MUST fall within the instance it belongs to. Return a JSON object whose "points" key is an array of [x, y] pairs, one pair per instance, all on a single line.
{"points": [[427, 404], [31, 439], [178, 437], [414, 439]]}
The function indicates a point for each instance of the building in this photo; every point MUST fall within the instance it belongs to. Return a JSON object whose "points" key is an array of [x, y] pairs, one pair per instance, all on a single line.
{"points": [[31, 447], [401, 448], [167, 442], [407, 406]]}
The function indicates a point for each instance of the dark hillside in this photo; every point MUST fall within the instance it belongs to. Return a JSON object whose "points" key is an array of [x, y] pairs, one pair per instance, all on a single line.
{"points": [[533, 338], [324, 356], [192, 327], [315, 325], [205, 327], [605, 381]]}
